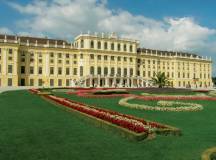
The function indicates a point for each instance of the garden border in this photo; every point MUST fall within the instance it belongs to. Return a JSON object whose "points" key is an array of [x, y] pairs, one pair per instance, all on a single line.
{"points": [[206, 155]]}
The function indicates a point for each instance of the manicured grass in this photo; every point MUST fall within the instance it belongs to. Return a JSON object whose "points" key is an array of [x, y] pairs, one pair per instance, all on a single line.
{"points": [[34, 129]]}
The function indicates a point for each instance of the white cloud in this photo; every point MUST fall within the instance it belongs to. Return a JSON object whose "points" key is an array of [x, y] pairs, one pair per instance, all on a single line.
{"points": [[4, 30], [67, 18]]}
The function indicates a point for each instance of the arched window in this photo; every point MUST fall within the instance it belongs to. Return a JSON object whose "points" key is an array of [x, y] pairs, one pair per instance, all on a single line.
{"points": [[105, 45], [82, 43], [125, 72], [112, 46], [131, 72], [119, 71], [105, 71], [99, 45], [99, 70], [112, 71], [91, 70], [131, 48], [119, 47], [125, 47], [92, 44]]}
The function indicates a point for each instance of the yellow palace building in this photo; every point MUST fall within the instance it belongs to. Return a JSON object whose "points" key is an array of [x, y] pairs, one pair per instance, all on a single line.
{"points": [[96, 60]]}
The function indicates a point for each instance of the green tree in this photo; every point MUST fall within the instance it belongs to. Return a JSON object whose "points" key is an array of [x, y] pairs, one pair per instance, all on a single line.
{"points": [[160, 80]]}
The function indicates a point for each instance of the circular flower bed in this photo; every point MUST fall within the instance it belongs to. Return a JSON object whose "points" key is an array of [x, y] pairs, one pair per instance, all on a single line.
{"points": [[162, 105], [209, 154], [212, 93]]}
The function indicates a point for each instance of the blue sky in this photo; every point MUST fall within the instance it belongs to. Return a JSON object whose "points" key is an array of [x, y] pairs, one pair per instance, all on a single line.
{"points": [[180, 25]]}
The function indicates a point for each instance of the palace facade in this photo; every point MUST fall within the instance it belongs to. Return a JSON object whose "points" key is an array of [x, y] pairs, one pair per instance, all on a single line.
{"points": [[96, 61]]}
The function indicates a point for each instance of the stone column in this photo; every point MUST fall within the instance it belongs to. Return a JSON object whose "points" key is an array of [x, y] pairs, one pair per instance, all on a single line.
{"points": [[106, 82], [128, 82], [98, 81], [90, 81], [114, 82], [121, 82], [138, 85]]}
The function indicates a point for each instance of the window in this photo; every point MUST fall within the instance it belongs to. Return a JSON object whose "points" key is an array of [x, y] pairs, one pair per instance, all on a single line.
{"points": [[40, 82], [125, 59], [31, 59], [125, 47], [91, 56], [40, 71], [0, 68], [39, 55], [59, 55], [31, 83], [105, 71], [75, 56], [67, 55], [112, 58], [82, 43], [67, 71], [112, 46], [52, 54], [99, 45], [11, 58], [92, 44], [81, 70], [59, 70], [131, 72], [105, 58], [112, 71], [40, 61], [81, 56], [125, 72], [99, 70], [144, 73], [10, 51], [67, 82], [91, 70], [31, 70], [51, 82], [59, 82], [119, 58], [99, 57], [149, 73], [22, 69], [119, 47], [119, 71], [131, 48], [10, 82], [10, 69], [105, 45], [75, 71], [51, 70]]}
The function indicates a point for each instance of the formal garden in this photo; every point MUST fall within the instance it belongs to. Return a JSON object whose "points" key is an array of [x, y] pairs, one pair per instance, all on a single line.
{"points": [[78, 123]]}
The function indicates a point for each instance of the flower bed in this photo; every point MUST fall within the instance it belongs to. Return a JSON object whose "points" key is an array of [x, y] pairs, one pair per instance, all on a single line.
{"points": [[101, 93], [110, 91], [162, 106], [129, 126], [212, 93], [156, 98], [137, 127]]}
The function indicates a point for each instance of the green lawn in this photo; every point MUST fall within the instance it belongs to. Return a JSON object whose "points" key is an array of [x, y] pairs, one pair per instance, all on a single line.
{"points": [[33, 129]]}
